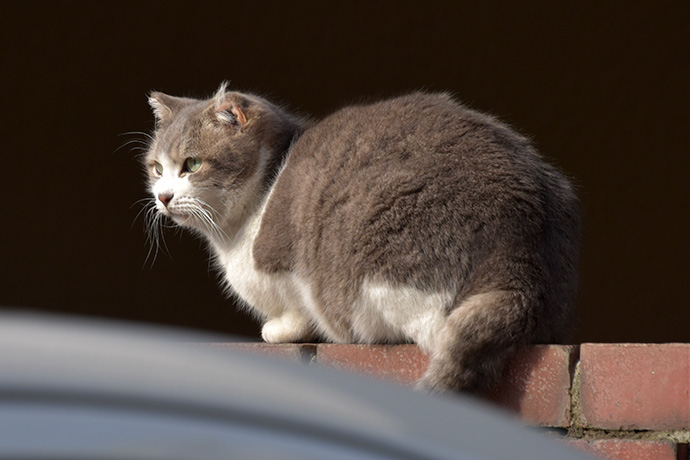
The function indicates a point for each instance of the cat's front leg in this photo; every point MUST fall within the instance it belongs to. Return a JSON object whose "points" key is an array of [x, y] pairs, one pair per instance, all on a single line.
{"points": [[291, 326]]}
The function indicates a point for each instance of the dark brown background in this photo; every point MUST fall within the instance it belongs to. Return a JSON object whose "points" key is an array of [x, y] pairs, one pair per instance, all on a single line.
{"points": [[602, 89]]}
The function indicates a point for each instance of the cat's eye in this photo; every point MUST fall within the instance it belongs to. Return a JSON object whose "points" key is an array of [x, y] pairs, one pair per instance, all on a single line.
{"points": [[192, 164], [158, 168]]}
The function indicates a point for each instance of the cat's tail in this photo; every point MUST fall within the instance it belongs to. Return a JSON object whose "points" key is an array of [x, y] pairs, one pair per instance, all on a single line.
{"points": [[477, 339]]}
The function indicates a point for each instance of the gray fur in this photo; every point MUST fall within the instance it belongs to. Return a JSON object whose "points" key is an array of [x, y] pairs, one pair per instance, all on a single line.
{"points": [[416, 191]]}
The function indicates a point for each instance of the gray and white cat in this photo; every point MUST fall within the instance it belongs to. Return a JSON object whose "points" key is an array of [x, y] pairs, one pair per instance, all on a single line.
{"points": [[413, 219]]}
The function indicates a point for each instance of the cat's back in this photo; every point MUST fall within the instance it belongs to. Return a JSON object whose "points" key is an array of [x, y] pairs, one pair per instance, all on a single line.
{"points": [[428, 136], [415, 182], [408, 127]]}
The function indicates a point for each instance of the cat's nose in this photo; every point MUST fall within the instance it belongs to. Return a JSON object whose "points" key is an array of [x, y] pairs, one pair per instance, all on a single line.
{"points": [[165, 198]]}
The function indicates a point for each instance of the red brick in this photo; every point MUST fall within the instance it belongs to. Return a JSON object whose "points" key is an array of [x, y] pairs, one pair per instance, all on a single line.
{"points": [[635, 386], [536, 384], [399, 363], [291, 351], [630, 449]]}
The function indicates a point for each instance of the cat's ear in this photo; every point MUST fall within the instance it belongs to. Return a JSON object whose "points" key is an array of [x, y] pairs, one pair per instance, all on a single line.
{"points": [[163, 105], [230, 113], [227, 111]]}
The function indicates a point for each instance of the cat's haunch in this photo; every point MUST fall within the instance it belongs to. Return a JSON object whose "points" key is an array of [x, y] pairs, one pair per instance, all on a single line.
{"points": [[413, 219]]}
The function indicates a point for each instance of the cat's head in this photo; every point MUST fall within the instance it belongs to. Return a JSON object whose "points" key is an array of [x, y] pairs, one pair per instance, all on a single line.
{"points": [[209, 160]]}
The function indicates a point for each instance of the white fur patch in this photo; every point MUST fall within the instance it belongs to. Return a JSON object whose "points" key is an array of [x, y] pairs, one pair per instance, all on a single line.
{"points": [[225, 117], [291, 326], [385, 312], [275, 297], [170, 182], [260, 290]]}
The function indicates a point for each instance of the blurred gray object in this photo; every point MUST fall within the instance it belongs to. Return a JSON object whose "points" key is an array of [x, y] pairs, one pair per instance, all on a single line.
{"points": [[78, 389]]}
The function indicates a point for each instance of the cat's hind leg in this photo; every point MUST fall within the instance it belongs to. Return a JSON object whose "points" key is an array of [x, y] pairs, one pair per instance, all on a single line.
{"points": [[291, 326], [478, 337]]}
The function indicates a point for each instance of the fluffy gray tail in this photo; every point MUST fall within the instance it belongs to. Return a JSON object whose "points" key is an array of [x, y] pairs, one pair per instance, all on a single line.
{"points": [[478, 338]]}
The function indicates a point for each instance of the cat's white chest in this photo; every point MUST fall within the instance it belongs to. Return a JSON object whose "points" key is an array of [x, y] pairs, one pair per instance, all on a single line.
{"points": [[269, 294]]}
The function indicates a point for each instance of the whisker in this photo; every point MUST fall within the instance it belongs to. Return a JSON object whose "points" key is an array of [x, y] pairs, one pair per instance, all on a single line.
{"points": [[152, 235], [144, 144], [208, 214], [144, 208], [202, 216], [201, 219], [141, 148], [147, 200], [153, 223], [137, 133]]}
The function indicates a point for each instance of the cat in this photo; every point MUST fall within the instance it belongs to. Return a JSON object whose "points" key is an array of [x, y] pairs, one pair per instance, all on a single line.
{"points": [[413, 219]]}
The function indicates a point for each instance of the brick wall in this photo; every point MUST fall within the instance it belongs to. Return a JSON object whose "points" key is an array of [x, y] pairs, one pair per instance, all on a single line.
{"points": [[616, 401]]}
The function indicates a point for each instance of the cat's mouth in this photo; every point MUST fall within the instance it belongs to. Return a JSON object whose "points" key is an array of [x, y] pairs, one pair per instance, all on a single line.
{"points": [[180, 218]]}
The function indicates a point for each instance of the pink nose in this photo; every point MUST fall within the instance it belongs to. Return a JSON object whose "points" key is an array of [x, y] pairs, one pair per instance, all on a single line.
{"points": [[165, 198]]}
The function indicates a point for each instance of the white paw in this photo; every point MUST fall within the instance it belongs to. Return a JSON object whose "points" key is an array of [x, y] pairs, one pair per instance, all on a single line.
{"points": [[286, 328]]}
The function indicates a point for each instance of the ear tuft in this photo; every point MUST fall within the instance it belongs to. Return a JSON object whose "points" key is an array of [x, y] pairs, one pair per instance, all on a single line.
{"points": [[219, 97]]}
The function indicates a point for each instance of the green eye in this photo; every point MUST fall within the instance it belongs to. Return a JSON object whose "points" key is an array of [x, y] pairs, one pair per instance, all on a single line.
{"points": [[192, 164], [158, 168]]}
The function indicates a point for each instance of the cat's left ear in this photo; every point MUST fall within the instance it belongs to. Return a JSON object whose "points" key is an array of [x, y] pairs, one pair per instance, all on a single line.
{"points": [[226, 110], [229, 112]]}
